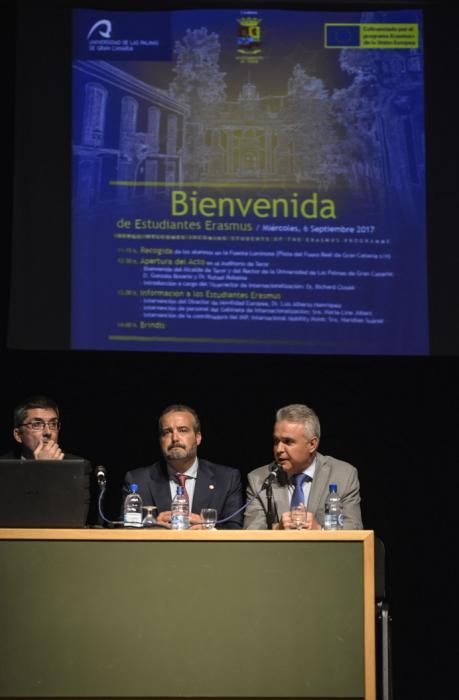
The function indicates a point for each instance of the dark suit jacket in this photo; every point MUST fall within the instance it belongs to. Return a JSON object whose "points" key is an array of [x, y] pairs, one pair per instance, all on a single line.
{"points": [[216, 486]]}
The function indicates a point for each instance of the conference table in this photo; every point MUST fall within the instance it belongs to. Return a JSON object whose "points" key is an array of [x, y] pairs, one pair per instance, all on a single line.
{"points": [[155, 613]]}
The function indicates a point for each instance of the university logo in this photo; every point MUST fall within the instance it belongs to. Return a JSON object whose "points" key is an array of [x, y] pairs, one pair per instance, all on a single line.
{"points": [[105, 29]]}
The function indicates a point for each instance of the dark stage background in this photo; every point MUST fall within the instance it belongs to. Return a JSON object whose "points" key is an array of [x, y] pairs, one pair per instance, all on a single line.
{"points": [[395, 419]]}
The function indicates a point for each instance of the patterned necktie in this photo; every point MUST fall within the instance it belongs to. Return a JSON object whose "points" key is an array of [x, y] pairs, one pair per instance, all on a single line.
{"points": [[181, 478], [298, 494]]}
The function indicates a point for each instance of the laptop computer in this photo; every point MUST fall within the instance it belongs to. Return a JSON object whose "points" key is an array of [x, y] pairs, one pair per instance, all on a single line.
{"points": [[42, 493]]}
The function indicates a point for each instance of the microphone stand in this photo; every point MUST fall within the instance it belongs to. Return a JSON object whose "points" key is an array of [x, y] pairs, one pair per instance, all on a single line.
{"points": [[269, 501], [101, 478], [102, 484], [276, 472]]}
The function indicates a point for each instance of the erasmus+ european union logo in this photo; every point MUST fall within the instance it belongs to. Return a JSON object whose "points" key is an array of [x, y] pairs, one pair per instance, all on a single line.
{"points": [[341, 36], [367, 35]]}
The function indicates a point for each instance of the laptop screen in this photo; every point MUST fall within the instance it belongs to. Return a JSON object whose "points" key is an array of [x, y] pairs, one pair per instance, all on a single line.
{"points": [[42, 493]]}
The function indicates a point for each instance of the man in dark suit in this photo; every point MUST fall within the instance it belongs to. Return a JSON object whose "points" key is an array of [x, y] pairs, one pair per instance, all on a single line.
{"points": [[303, 475], [207, 485]]}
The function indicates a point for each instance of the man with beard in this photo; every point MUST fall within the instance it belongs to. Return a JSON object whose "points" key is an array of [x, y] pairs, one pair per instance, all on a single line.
{"points": [[207, 485]]}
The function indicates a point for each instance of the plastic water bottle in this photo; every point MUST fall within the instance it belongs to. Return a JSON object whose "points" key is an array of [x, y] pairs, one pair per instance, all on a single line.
{"points": [[180, 511], [133, 510], [334, 519]]}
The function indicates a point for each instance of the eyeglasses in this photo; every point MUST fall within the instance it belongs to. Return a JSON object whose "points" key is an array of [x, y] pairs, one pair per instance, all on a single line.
{"points": [[39, 424]]}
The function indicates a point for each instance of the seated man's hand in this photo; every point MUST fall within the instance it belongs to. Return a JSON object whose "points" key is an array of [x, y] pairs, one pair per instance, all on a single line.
{"points": [[48, 449], [164, 518], [195, 522], [311, 522]]}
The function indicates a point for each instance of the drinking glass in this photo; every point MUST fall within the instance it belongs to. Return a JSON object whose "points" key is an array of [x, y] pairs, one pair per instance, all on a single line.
{"points": [[298, 515], [149, 519], [208, 518]]}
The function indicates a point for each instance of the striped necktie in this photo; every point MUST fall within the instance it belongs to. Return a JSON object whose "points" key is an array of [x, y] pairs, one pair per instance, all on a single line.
{"points": [[181, 478]]}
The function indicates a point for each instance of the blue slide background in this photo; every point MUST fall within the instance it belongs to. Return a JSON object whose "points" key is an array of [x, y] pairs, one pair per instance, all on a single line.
{"points": [[176, 114]]}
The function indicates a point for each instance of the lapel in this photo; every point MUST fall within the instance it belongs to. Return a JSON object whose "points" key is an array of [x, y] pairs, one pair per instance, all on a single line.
{"points": [[159, 487], [205, 488], [319, 485], [281, 499]]}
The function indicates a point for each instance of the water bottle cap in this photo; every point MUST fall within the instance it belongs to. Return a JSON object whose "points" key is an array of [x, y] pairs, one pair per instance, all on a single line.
{"points": [[134, 488], [333, 488], [179, 490]]}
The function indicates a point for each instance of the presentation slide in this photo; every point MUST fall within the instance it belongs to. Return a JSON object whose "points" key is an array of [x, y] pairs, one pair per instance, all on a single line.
{"points": [[249, 181]]}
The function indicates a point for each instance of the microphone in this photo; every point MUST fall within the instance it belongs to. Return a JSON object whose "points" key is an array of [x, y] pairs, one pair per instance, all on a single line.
{"points": [[275, 472], [101, 475]]}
